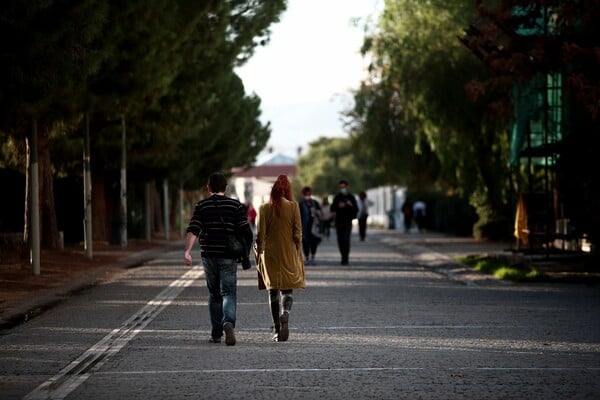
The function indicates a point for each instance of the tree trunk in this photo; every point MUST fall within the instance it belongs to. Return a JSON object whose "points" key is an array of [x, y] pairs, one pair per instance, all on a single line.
{"points": [[157, 210], [148, 211], [87, 189], [50, 238], [100, 220], [123, 186]]}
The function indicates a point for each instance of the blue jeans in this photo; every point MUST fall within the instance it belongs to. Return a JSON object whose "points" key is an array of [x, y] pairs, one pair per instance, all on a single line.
{"points": [[221, 280]]}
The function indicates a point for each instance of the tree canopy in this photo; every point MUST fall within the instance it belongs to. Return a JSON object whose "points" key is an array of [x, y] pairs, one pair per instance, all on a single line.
{"points": [[413, 113], [330, 159], [431, 114], [167, 66], [164, 67]]}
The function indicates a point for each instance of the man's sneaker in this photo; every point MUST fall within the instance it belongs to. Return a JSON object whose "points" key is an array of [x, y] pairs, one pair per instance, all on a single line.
{"points": [[214, 341], [284, 333], [229, 334]]}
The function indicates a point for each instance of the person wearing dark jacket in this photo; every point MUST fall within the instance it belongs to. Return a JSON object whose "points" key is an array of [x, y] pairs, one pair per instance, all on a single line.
{"points": [[310, 213], [363, 214], [213, 220], [345, 208]]}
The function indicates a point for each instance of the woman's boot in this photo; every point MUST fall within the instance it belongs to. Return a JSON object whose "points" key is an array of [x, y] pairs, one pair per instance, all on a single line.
{"points": [[274, 304], [284, 332]]}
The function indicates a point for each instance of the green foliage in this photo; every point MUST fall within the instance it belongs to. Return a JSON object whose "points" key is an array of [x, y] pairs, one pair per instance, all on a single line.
{"points": [[11, 153], [502, 269], [330, 159], [385, 139], [164, 67], [232, 136], [143, 44], [167, 66], [414, 114], [47, 56]]}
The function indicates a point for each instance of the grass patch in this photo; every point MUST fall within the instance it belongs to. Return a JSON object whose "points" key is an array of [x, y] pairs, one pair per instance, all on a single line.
{"points": [[501, 268]]}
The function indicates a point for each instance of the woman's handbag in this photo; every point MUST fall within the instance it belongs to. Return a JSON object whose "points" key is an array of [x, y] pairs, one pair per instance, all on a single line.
{"points": [[235, 247], [315, 229]]}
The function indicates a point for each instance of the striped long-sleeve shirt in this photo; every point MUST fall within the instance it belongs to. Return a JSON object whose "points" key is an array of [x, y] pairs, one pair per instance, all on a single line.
{"points": [[206, 223]]}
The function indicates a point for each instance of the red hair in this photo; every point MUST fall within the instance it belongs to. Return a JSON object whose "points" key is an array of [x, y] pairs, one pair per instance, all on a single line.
{"points": [[282, 188]]}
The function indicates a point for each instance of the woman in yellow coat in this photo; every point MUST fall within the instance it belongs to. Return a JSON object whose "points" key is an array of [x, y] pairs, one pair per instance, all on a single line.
{"points": [[278, 253]]}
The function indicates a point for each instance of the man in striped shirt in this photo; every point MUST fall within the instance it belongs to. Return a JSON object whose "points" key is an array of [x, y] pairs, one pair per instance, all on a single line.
{"points": [[214, 218]]}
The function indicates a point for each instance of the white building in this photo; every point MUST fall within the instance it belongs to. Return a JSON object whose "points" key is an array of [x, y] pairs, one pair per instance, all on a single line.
{"points": [[253, 185]]}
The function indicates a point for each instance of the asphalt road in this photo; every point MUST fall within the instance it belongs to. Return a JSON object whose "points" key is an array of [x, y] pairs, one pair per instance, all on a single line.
{"points": [[384, 327]]}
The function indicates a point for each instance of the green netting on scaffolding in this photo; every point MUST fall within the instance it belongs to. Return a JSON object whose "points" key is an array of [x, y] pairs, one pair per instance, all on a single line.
{"points": [[538, 119]]}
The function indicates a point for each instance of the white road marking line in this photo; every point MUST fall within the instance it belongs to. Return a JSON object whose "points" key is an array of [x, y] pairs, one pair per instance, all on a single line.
{"points": [[74, 374], [352, 369], [420, 327]]}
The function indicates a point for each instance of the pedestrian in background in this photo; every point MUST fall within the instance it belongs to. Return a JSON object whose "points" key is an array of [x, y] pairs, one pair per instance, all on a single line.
{"points": [[326, 218], [278, 254], [419, 210], [407, 213], [310, 214], [213, 220], [345, 209], [363, 214], [252, 217]]}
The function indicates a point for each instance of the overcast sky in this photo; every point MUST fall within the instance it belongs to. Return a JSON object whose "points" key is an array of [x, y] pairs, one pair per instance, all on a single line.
{"points": [[305, 74]]}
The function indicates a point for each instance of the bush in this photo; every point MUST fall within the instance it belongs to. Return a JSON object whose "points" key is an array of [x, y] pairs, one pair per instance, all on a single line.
{"points": [[496, 230], [454, 215]]}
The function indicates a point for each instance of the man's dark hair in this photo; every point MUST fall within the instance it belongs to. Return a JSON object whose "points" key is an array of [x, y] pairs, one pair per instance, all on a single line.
{"points": [[217, 182], [343, 182]]}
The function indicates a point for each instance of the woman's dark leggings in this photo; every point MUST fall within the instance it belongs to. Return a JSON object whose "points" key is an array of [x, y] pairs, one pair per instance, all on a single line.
{"points": [[309, 245], [275, 300]]}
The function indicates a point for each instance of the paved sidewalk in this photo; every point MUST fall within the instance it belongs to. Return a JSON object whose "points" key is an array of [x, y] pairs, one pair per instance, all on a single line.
{"points": [[440, 253], [64, 273]]}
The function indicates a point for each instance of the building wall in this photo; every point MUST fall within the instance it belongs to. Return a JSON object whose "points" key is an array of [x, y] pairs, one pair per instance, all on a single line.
{"points": [[387, 203]]}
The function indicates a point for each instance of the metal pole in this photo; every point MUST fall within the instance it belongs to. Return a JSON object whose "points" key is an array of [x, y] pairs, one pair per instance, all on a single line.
{"points": [[35, 202], [166, 207], [181, 227]]}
